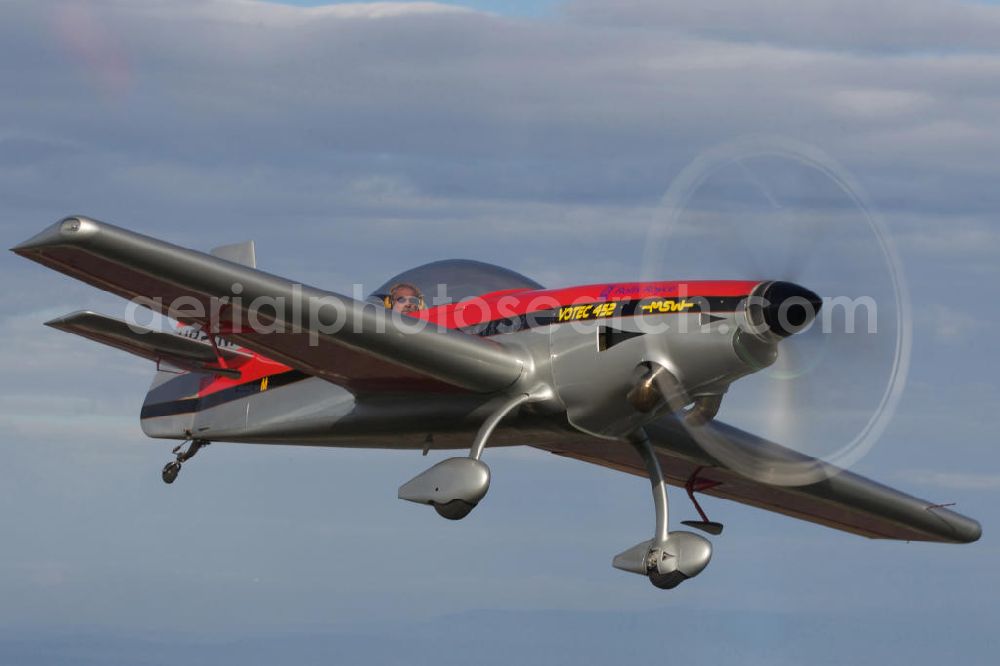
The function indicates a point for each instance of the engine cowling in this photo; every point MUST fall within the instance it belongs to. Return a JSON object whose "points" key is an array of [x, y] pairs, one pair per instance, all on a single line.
{"points": [[614, 376]]}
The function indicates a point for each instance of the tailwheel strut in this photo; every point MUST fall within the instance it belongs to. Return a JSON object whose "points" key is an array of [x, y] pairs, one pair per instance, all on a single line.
{"points": [[693, 485], [173, 468]]}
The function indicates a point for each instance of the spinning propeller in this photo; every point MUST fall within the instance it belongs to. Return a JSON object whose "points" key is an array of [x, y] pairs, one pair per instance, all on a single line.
{"points": [[773, 209]]}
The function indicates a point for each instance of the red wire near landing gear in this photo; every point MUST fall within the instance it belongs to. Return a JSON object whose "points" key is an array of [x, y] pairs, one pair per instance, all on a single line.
{"points": [[700, 485], [694, 484]]}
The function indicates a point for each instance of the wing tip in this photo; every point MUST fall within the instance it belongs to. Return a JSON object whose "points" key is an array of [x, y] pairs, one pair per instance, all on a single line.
{"points": [[957, 528], [970, 532], [68, 229], [62, 321]]}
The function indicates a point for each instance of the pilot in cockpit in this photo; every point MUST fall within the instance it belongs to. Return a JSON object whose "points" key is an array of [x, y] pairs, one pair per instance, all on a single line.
{"points": [[404, 297]]}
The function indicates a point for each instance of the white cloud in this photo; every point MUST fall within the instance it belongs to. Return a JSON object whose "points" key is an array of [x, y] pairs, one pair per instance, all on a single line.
{"points": [[948, 324], [877, 103], [377, 10]]}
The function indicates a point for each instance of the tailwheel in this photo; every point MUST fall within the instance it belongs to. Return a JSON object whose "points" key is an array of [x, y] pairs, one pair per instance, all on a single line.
{"points": [[170, 471], [173, 468]]}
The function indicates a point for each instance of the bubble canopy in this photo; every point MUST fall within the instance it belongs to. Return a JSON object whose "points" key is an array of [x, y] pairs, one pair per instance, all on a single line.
{"points": [[454, 280]]}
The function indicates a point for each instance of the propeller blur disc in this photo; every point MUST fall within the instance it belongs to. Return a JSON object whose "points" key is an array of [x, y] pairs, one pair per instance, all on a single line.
{"points": [[770, 208]]}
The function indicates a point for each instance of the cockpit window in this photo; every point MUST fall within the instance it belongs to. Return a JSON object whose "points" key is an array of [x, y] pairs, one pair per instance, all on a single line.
{"points": [[448, 281]]}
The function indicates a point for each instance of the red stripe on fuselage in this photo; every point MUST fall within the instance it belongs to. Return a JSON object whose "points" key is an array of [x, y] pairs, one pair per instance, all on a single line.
{"points": [[505, 304], [511, 303], [252, 369]]}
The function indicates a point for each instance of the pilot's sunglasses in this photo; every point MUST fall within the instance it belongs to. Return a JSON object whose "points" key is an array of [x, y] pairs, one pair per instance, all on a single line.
{"points": [[408, 300]]}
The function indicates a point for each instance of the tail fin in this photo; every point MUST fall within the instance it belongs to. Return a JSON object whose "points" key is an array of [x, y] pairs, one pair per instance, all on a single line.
{"points": [[238, 253]]}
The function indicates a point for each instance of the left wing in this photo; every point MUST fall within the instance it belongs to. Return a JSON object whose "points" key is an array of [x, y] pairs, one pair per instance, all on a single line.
{"points": [[317, 332], [832, 496]]}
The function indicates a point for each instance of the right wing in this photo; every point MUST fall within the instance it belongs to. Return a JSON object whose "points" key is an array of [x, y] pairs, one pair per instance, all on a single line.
{"points": [[748, 471], [321, 333]]}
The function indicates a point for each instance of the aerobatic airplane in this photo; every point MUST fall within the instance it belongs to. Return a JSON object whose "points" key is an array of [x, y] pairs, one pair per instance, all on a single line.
{"points": [[627, 375]]}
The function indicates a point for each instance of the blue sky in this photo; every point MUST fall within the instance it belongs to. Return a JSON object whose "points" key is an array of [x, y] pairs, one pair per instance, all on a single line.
{"points": [[353, 142]]}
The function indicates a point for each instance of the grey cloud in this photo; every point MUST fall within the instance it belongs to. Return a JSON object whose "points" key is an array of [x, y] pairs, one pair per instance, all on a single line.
{"points": [[888, 25], [413, 133], [952, 480], [459, 106]]}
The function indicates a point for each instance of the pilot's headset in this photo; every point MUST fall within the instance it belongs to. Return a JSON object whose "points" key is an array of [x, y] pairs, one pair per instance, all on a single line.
{"points": [[387, 299]]}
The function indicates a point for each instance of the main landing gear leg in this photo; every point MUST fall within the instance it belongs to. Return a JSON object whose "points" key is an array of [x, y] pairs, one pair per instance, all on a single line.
{"points": [[455, 486], [173, 468], [669, 558]]}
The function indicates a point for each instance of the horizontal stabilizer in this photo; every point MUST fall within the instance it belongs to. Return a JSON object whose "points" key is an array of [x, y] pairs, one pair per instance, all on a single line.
{"points": [[182, 352]]}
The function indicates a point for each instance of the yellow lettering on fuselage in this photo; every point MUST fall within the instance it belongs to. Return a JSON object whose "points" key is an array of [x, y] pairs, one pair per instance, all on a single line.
{"points": [[667, 306], [605, 309], [580, 312], [575, 312]]}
